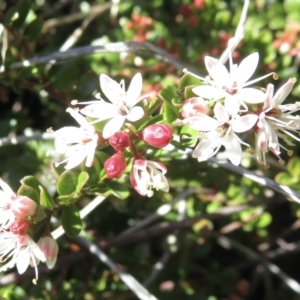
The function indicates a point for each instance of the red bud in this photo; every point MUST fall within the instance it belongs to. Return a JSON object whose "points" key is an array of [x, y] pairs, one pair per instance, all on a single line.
{"points": [[115, 165], [157, 135]]}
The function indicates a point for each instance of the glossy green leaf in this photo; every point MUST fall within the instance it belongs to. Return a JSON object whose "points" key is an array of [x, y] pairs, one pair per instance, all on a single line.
{"points": [[32, 182], [67, 182], [118, 189], [188, 79], [81, 181], [188, 136], [30, 192], [45, 198], [23, 8], [168, 93], [67, 199], [33, 29], [71, 221]]}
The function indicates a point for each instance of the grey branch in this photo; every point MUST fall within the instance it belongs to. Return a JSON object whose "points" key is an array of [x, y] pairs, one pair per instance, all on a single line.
{"points": [[264, 181], [146, 49], [138, 289]]}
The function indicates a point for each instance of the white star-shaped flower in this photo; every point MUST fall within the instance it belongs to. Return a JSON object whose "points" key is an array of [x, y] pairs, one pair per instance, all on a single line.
{"points": [[221, 131], [276, 120], [233, 83], [122, 106]]}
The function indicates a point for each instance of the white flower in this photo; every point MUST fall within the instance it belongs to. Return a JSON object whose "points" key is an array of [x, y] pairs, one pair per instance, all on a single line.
{"points": [[76, 143], [146, 175], [224, 84], [275, 120], [122, 106], [20, 251], [221, 131], [6, 201]]}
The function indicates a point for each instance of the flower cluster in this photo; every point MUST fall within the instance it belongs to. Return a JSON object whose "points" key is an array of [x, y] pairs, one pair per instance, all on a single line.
{"points": [[238, 108], [17, 248], [113, 122]]}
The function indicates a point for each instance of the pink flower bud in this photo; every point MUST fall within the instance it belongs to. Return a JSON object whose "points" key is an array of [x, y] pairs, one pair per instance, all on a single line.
{"points": [[194, 106], [49, 247], [19, 227], [120, 140], [23, 207], [157, 135], [115, 165]]}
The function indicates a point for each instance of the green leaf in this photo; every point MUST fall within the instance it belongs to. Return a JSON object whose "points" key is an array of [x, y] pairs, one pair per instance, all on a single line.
{"points": [[30, 192], [71, 221], [188, 92], [67, 182], [93, 172], [188, 136], [264, 220], [23, 8], [33, 30], [168, 93], [188, 79], [170, 113], [151, 120], [10, 15], [118, 189], [67, 199], [32, 182], [81, 181], [45, 198]]}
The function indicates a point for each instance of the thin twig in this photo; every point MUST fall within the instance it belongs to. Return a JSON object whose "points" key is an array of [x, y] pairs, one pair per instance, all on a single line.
{"points": [[239, 34], [161, 211], [146, 49], [264, 181], [138, 289], [6, 141], [290, 282]]}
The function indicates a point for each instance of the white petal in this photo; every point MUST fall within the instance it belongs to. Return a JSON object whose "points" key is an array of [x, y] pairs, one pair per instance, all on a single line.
{"points": [[111, 89], [135, 114], [113, 125], [51, 262], [233, 148], [250, 95], [101, 110], [201, 122], [23, 260], [246, 68], [78, 117], [209, 92], [283, 92], [134, 90], [232, 106], [216, 70], [244, 123], [220, 113], [76, 159]]}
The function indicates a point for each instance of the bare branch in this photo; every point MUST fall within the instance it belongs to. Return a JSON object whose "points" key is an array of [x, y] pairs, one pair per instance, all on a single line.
{"points": [[138, 289], [264, 181]]}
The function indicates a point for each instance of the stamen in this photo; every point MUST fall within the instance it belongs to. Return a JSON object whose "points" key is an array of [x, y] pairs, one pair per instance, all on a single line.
{"points": [[275, 76], [290, 152], [281, 162], [50, 130], [74, 102]]}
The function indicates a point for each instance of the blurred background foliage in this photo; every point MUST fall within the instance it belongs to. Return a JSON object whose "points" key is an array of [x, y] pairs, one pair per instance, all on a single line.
{"points": [[196, 263]]}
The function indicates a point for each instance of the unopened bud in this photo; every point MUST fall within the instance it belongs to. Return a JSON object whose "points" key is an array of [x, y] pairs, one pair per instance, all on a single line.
{"points": [[120, 140], [115, 165], [157, 135], [194, 106], [49, 247], [23, 207]]}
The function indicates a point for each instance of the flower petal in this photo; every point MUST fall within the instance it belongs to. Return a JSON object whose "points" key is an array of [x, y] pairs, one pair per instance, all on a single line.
{"points": [[134, 90], [23, 260], [220, 113], [233, 148], [209, 92], [101, 110], [283, 92], [246, 68], [217, 71], [201, 122], [113, 125], [244, 123], [135, 114], [250, 95], [111, 89]]}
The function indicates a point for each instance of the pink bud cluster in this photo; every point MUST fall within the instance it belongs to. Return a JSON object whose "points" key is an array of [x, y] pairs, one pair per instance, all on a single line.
{"points": [[144, 174], [17, 246]]}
